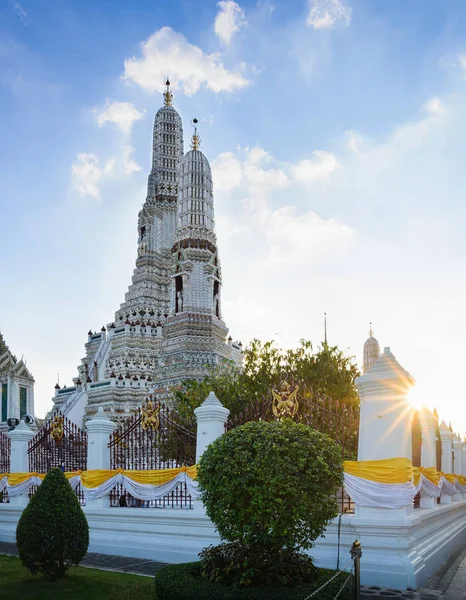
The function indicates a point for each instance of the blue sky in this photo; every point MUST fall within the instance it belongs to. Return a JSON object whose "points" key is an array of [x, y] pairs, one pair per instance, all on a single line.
{"points": [[336, 131]]}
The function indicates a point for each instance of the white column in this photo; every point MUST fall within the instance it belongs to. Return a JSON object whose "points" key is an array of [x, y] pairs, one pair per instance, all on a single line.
{"points": [[458, 455], [10, 400], [446, 437], [211, 417], [428, 449], [457, 462], [463, 472], [385, 421], [31, 401], [19, 461], [98, 453]]}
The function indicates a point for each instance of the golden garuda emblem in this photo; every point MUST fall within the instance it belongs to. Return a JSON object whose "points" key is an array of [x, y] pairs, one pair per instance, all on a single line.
{"points": [[57, 430], [285, 400], [150, 416]]}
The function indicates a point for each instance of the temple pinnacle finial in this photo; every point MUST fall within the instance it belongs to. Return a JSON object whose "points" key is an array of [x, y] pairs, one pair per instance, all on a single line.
{"points": [[167, 95], [370, 329], [195, 140], [325, 328]]}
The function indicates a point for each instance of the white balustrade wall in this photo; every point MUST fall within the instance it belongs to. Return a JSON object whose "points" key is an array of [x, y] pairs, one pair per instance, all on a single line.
{"points": [[401, 547]]}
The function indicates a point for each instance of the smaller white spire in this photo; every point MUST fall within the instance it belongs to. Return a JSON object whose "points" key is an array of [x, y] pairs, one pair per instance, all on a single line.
{"points": [[371, 350]]}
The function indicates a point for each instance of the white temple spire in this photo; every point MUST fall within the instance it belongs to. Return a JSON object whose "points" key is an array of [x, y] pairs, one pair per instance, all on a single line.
{"points": [[371, 350]]}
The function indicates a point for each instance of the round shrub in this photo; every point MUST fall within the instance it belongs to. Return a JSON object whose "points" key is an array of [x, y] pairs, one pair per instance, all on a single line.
{"points": [[243, 566], [52, 533], [184, 581], [271, 484]]}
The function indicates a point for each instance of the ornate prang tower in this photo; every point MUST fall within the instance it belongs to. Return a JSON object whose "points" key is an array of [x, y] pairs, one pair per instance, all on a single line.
{"points": [[194, 336], [149, 292], [169, 328]]}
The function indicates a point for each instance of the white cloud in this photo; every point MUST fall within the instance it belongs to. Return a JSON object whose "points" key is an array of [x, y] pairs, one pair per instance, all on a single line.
{"points": [[255, 181], [318, 169], [21, 13], [293, 237], [434, 106], [129, 165], [87, 174], [123, 114], [324, 14], [262, 180], [462, 61], [227, 172], [167, 52], [229, 20], [257, 155]]}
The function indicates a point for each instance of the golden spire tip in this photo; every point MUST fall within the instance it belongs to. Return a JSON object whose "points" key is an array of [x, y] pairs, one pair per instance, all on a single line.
{"points": [[167, 95], [195, 140]]}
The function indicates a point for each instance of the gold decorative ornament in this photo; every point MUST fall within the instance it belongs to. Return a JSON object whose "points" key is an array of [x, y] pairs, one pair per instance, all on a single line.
{"points": [[57, 430], [119, 441], [285, 400], [150, 416], [195, 140], [167, 95]]}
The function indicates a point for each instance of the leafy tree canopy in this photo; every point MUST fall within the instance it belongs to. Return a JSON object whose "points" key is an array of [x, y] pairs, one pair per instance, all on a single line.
{"points": [[328, 371]]}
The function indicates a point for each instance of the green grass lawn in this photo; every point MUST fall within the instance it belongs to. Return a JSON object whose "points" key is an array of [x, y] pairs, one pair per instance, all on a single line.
{"points": [[16, 583]]}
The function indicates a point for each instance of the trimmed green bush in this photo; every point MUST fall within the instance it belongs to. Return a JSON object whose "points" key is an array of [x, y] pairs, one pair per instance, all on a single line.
{"points": [[270, 484], [52, 533], [184, 581], [267, 487], [237, 564]]}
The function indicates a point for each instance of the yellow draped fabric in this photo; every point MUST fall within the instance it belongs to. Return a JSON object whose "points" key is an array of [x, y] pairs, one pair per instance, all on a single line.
{"points": [[93, 479], [429, 473], [389, 470], [16, 478]]}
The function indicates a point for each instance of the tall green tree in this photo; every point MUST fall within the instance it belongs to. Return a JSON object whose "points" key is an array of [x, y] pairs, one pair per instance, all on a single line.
{"points": [[327, 371]]}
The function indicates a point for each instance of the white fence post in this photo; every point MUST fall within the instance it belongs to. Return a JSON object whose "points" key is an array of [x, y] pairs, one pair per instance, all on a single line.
{"points": [[211, 417], [19, 462], [428, 450], [385, 421], [99, 429], [446, 437]]}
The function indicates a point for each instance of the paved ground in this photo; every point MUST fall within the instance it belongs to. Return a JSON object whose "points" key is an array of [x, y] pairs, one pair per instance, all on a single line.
{"points": [[448, 583], [108, 562]]}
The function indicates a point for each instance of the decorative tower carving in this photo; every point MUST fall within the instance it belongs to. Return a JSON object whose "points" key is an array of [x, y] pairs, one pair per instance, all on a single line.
{"points": [[195, 333], [157, 218]]}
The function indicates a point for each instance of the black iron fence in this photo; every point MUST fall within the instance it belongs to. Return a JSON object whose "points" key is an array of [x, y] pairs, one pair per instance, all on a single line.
{"points": [[60, 443], [5, 451], [155, 437]]}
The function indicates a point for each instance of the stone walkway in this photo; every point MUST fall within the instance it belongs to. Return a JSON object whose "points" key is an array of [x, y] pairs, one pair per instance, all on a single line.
{"points": [[448, 583], [106, 562]]}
